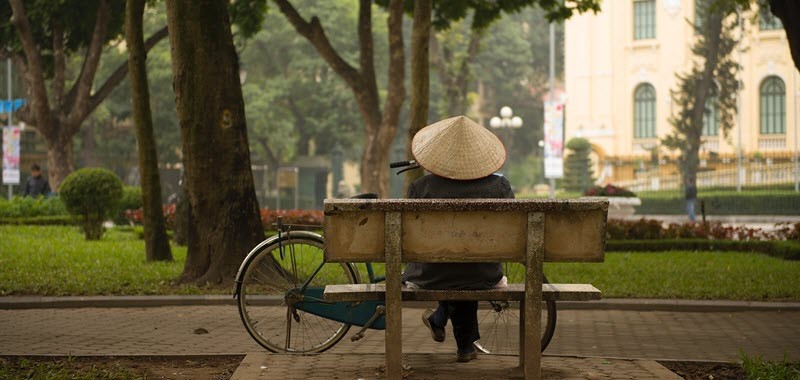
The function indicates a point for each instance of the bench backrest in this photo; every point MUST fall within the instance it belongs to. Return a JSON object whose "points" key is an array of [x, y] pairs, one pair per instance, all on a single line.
{"points": [[465, 230]]}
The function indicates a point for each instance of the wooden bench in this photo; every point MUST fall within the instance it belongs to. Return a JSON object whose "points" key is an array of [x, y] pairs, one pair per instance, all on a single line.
{"points": [[528, 231]]}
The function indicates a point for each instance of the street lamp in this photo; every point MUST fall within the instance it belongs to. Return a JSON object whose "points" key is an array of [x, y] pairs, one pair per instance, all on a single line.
{"points": [[506, 119]]}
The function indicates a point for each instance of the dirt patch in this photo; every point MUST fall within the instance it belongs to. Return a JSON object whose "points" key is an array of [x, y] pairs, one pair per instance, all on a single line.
{"points": [[705, 370], [125, 367]]}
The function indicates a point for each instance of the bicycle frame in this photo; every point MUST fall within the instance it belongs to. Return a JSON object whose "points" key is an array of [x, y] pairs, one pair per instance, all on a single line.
{"points": [[311, 298]]}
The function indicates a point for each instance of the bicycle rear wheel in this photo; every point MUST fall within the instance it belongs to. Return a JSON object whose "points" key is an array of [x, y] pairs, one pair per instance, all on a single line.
{"points": [[498, 321], [271, 289]]}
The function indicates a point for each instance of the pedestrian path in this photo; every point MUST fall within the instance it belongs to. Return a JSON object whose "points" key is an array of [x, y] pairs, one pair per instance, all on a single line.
{"points": [[203, 330]]}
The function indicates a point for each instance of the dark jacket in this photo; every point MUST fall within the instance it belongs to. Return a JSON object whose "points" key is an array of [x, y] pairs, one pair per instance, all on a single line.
{"points": [[690, 191], [36, 186], [457, 275]]}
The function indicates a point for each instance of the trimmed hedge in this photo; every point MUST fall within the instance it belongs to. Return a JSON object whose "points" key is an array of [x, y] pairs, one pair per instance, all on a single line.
{"points": [[24, 207], [49, 220], [785, 249], [724, 203]]}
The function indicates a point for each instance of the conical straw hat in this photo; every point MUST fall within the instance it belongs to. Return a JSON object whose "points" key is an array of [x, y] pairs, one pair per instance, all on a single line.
{"points": [[458, 148]]}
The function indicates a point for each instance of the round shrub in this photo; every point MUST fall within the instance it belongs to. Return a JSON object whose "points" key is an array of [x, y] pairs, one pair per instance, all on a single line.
{"points": [[91, 194], [131, 200]]}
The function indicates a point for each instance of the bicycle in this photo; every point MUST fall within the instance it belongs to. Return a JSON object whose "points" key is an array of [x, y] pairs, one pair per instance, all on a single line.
{"points": [[280, 288]]}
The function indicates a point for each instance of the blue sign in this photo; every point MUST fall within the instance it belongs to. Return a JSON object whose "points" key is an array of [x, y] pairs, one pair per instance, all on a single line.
{"points": [[11, 105]]}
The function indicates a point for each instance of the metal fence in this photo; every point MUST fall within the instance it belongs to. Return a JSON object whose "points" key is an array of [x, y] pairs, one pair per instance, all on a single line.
{"points": [[774, 171]]}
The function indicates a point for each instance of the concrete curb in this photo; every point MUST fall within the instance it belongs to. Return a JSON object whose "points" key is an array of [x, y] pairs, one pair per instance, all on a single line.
{"points": [[28, 302]]}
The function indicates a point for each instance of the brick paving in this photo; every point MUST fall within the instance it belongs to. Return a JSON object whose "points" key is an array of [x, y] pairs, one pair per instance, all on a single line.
{"points": [[585, 333], [441, 366]]}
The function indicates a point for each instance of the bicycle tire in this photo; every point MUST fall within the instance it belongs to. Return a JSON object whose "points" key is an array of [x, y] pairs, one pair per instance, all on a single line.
{"points": [[499, 323], [263, 293]]}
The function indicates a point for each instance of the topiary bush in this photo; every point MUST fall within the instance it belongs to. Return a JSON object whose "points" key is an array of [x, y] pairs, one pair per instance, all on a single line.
{"points": [[578, 166], [131, 200], [92, 195]]}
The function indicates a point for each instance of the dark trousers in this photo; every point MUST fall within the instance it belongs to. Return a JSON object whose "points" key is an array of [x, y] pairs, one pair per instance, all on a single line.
{"points": [[464, 315]]}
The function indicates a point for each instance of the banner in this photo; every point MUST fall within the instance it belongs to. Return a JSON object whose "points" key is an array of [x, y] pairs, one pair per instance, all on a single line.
{"points": [[553, 140], [11, 140]]}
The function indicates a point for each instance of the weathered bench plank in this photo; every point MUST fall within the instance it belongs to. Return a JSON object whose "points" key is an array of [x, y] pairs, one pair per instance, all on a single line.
{"points": [[513, 292], [437, 230]]}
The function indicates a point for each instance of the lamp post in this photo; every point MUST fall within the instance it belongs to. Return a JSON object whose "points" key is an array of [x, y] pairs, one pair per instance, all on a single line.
{"points": [[506, 119]]}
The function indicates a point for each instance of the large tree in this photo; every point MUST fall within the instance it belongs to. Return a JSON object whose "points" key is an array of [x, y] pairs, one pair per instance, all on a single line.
{"points": [[223, 213], [420, 77], [711, 82], [789, 13], [155, 232], [380, 123], [42, 37]]}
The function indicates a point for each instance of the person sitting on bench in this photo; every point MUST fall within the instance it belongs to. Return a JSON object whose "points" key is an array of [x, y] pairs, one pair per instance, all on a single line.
{"points": [[462, 157]]}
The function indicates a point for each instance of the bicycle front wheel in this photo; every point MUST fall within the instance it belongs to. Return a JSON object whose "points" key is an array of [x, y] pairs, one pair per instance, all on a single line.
{"points": [[271, 291], [498, 321]]}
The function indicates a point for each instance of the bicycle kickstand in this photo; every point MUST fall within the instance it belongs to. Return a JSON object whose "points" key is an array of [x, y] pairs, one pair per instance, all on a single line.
{"points": [[380, 310]]}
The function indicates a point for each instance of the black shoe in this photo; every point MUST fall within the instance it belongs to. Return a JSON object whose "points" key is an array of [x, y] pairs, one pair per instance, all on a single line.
{"points": [[437, 333], [464, 358]]}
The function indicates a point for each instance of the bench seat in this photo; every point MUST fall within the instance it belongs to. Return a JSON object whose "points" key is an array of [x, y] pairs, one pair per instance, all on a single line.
{"points": [[513, 292]]}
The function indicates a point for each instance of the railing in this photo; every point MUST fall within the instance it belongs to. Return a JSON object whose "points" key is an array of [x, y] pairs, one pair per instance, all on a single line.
{"points": [[752, 174]]}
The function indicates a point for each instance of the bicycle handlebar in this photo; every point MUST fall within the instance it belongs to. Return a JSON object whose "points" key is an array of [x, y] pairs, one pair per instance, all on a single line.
{"points": [[400, 164]]}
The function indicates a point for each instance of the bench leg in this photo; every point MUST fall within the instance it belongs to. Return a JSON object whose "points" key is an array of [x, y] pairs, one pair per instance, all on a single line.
{"points": [[531, 306], [394, 311]]}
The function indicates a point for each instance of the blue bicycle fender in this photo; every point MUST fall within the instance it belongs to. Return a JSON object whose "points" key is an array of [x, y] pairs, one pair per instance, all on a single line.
{"points": [[357, 314]]}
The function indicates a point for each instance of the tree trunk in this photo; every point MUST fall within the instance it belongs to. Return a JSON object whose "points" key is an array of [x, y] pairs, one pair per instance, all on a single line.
{"points": [[789, 13], [155, 232], [59, 159], [420, 78], [225, 221], [180, 232], [713, 31]]}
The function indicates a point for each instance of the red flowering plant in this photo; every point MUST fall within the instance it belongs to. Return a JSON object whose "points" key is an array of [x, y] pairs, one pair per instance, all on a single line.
{"points": [[304, 217], [608, 190], [136, 216], [655, 229]]}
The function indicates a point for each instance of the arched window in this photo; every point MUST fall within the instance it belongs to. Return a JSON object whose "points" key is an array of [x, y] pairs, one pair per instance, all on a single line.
{"points": [[644, 111], [773, 106], [710, 121]]}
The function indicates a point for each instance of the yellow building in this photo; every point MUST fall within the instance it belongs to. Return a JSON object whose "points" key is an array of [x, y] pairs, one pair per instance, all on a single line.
{"points": [[620, 67]]}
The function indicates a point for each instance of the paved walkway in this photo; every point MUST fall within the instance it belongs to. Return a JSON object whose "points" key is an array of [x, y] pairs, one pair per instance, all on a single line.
{"points": [[713, 336], [441, 366]]}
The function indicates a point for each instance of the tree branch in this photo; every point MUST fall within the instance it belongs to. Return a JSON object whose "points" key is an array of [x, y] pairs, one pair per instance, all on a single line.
{"points": [[315, 34], [396, 86], [34, 72], [91, 61], [59, 61], [119, 74], [366, 55]]}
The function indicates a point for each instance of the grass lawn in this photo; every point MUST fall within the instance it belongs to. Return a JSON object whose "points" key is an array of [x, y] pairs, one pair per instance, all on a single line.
{"points": [[56, 260]]}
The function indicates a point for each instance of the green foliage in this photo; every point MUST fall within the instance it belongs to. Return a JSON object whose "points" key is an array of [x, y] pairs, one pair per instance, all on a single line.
{"points": [[578, 175], [247, 16], [757, 368], [51, 220], [685, 275], [19, 207], [77, 19], [91, 194], [711, 80], [57, 261], [525, 174], [131, 200], [291, 94], [486, 12], [789, 250], [56, 368], [751, 202]]}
